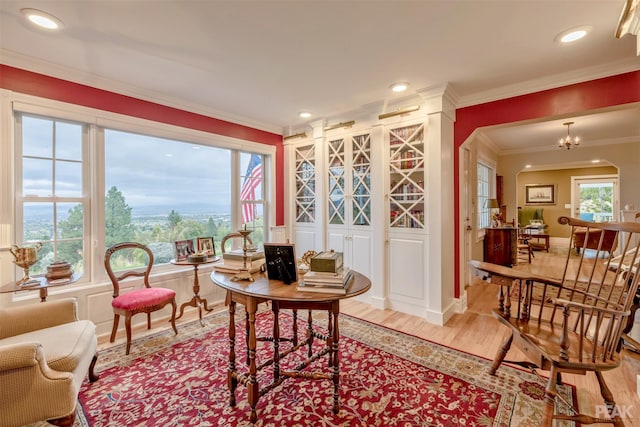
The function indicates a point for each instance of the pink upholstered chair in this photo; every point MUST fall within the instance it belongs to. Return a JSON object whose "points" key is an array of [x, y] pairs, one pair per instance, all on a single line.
{"points": [[144, 300]]}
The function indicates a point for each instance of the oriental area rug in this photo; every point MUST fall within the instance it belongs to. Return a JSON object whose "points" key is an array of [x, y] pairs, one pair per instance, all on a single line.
{"points": [[387, 378]]}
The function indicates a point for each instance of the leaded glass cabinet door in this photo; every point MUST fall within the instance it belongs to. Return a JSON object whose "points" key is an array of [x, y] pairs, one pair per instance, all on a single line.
{"points": [[406, 177], [305, 184], [361, 180], [336, 182]]}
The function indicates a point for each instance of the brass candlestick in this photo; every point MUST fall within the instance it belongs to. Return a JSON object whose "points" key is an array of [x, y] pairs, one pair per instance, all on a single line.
{"points": [[243, 274]]}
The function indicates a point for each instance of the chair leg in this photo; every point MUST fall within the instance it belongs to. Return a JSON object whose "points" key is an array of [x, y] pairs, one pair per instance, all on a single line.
{"points": [[608, 399], [173, 316], [502, 353], [114, 330], [127, 327], [92, 375], [549, 399], [149, 320]]}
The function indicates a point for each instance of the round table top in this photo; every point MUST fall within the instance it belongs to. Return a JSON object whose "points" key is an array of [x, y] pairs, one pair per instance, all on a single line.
{"points": [[262, 287], [41, 283], [187, 262]]}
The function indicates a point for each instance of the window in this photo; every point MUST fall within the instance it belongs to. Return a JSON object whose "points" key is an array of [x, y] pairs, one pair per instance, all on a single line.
{"points": [[485, 176], [82, 187], [252, 196], [159, 190], [52, 196]]}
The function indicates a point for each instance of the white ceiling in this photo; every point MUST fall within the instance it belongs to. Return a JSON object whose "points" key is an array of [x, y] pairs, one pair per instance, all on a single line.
{"points": [[261, 62]]}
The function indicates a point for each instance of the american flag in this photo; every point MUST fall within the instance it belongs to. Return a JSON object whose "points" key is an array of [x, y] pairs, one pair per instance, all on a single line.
{"points": [[252, 179]]}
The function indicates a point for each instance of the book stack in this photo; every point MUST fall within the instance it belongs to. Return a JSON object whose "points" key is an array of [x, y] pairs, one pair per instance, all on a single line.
{"points": [[327, 282], [233, 261]]}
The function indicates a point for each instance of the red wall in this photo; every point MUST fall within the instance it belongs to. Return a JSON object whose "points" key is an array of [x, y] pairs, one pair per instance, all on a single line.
{"points": [[30, 83], [591, 95]]}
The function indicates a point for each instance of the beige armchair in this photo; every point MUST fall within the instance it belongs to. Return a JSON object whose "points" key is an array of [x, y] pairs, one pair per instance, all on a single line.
{"points": [[45, 354]]}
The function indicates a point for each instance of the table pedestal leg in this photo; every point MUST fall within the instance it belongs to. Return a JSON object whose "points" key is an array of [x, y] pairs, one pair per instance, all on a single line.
{"points": [[196, 301]]}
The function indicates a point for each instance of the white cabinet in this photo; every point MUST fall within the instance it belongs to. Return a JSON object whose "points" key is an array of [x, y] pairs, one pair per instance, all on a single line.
{"points": [[407, 252], [349, 202], [305, 221]]}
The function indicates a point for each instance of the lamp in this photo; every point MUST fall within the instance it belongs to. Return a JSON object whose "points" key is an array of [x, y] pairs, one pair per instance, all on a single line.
{"points": [[568, 141]]}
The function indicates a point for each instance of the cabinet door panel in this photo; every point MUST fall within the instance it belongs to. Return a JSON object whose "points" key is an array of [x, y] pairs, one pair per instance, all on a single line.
{"points": [[406, 268], [361, 253], [335, 241]]}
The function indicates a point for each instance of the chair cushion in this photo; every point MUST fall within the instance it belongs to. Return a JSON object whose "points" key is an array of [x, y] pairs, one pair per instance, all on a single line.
{"points": [[64, 345], [145, 297]]}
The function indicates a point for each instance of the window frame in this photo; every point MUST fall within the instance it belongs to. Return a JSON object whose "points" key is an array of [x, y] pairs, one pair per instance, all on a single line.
{"points": [[94, 168], [480, 199]]}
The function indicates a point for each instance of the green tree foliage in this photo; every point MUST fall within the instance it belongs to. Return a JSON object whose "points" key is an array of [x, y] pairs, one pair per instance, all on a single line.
{"points": [[118, 226], [72, 229]]}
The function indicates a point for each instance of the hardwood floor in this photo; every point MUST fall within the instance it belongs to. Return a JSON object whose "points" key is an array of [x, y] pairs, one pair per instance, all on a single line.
{"points": [[476, 331]]}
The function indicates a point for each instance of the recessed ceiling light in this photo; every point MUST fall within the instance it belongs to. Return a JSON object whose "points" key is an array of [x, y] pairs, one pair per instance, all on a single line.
{"points": [[573, 34], [42, 19], [399, 86], [595, 161], [527, 166], [305, 114]]}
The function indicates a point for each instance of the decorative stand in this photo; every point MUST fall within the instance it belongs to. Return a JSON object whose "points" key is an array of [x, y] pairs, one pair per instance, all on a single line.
{"points": [[244, 273]]}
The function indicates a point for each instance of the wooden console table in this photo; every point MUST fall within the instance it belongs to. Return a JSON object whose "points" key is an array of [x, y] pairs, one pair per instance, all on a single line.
{"points": [[282, 296]]}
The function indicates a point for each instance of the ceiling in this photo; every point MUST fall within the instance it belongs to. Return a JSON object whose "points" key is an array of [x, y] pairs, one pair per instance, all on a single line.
{"points": [[260, 63]]}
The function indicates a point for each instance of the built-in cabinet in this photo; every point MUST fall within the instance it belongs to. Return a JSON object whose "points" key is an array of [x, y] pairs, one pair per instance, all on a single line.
{"points": [[303, 163], [407, 253], [379, 197], [349, 202]]}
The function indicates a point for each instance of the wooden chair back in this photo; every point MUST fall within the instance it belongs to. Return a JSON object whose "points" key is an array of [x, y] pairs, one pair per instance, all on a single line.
{"points": [[117, 278], [572, 323]]}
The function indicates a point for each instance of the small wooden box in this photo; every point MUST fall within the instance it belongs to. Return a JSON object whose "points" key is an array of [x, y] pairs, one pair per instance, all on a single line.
{"points": [[328, 261]]}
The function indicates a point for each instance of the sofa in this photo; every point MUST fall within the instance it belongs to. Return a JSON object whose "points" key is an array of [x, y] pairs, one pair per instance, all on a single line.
{"points": [[580, 235], [45, 354]]}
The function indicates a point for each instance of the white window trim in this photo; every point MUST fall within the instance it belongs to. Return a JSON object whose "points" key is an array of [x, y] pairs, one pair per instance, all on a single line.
{"points": [[491, 164], [12, 103]]}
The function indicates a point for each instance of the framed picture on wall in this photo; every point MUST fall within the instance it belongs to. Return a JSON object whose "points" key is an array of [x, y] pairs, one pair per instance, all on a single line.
{"points": [[540, 194]]}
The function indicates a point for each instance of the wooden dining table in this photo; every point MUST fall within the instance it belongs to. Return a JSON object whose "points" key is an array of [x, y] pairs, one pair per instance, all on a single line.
{"points": [[283, 296]]}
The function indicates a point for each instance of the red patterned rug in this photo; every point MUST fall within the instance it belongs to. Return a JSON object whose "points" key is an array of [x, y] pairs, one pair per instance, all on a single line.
{"points": [[387, 378]]}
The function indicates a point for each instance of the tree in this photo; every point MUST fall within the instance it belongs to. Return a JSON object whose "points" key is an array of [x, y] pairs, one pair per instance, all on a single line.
{"points": [[70, 231], [118, 226]]}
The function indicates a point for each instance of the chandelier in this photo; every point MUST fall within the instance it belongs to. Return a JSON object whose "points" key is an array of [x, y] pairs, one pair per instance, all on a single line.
{"points": [[568, 140]]}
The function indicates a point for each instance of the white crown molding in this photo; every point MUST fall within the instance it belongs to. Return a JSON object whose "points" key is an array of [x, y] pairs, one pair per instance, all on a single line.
{"points": [[28, 63], [551, 82]]}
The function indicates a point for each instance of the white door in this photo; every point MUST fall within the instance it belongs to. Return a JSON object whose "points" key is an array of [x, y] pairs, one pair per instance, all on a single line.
{"points": [[594, 198]]}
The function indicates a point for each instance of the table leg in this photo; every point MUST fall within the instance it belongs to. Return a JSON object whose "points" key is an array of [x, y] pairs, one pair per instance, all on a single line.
{"points": [[231, 373], [252, 386], [335, 356], [196, 301], [43, 294], [310, 334], [275, 307]]}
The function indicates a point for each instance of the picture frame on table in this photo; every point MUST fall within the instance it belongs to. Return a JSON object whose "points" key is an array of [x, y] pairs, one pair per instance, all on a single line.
{"points": [[540, 194], [206, 245], [182, 249], [280, 260]]}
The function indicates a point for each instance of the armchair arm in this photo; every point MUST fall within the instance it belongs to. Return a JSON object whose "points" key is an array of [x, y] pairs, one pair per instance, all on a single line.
{"points": [[29, 389], [490, 269], [27, 318], [26, 355]]}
